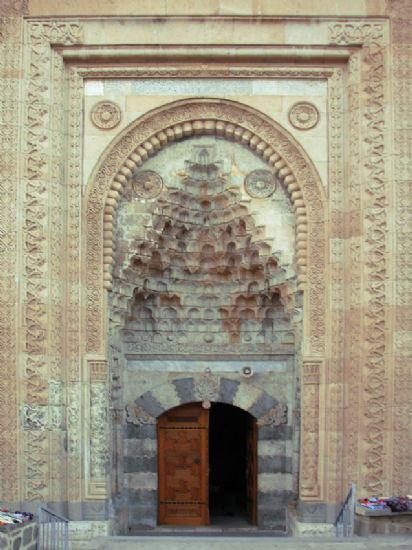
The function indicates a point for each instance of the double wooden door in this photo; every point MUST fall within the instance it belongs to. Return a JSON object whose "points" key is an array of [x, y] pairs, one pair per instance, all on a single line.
{"points": [[183, 467]]}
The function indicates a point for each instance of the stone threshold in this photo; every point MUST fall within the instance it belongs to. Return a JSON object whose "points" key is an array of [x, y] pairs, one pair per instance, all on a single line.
{"points": [[209, 531]]}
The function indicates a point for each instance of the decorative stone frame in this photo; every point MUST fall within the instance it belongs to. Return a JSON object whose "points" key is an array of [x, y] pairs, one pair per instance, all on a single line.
{"points": [[51, 296], [273, 420], [230, 120]]}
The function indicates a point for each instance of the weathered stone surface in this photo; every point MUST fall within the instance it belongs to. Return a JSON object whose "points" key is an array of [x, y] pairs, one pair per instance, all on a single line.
{"points": [[227, 390], [262, 405], [275, 464], [140, 464], [150, 404]]}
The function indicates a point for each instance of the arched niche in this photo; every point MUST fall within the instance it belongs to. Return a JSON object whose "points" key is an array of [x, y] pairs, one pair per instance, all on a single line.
{"points": [[176, 121]]}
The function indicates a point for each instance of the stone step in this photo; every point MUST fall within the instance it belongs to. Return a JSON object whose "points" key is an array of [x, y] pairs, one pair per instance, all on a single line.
{"points": [[213, 542]]}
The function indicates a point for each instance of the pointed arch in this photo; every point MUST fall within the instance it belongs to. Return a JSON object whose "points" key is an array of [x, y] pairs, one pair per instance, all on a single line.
{"points": [[194, 117]]}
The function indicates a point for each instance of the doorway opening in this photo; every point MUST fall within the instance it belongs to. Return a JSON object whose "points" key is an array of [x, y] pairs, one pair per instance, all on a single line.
{"points": [[207, 466], [228, 429]]}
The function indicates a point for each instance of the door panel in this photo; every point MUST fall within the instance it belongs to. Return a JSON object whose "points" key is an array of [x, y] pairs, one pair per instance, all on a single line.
{"points": [[183, 435], [251, 471]]}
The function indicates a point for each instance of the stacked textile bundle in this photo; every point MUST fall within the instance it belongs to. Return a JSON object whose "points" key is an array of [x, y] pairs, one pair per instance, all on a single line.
{"points": [[388, 504], [7, 517]]}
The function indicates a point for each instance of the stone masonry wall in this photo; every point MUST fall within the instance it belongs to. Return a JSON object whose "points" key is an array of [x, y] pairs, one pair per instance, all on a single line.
{"points": [[19, 537]]}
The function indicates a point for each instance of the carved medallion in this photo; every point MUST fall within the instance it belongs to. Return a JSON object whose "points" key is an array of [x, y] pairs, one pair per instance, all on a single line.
{"points": [[147, 184], [260, 184], [106, 115], [303, 115]]}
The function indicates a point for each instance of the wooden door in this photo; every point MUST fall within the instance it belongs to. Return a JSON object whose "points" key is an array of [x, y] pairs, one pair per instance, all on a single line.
{"points": [[251, 470], [183, 441]]}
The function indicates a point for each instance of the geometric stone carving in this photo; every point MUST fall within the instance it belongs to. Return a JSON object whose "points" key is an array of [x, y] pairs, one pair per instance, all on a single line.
{"points": [[105, 115], [303, 115], [310, 430], [147, 184], [260, 184], [98, 421], [375, 357]]}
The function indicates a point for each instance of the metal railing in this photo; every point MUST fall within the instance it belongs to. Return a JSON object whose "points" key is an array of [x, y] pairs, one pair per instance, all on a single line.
{"points": [[345, 521], [53, 530]]}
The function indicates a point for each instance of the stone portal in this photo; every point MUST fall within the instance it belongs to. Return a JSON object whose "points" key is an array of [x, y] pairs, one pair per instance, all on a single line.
{"points": [[203, 309]]}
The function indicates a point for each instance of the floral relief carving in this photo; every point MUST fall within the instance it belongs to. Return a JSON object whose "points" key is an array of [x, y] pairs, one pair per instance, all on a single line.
{"points": [[304, 115], [106, 115], [34, 417], [401, 440], [73, 307], [74, 443], [147, 184], [206, 388], [260, 184], [277, 416], [138, 416]]}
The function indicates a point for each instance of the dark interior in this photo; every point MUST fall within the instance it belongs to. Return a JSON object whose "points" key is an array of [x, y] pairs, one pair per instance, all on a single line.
{"points": [[227, 461]]}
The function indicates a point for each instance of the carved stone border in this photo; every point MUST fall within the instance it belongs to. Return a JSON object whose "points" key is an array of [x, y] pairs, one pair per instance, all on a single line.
{"points": [[42, 292], [11, 34], [143, 72], [372, 202], [311, 464], [97, 432]]}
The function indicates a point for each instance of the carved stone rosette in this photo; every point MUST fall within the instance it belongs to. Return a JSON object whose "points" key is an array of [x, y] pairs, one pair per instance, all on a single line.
{"points": [[106, 115], [304, 115], [260, 184], [147, 184]]}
